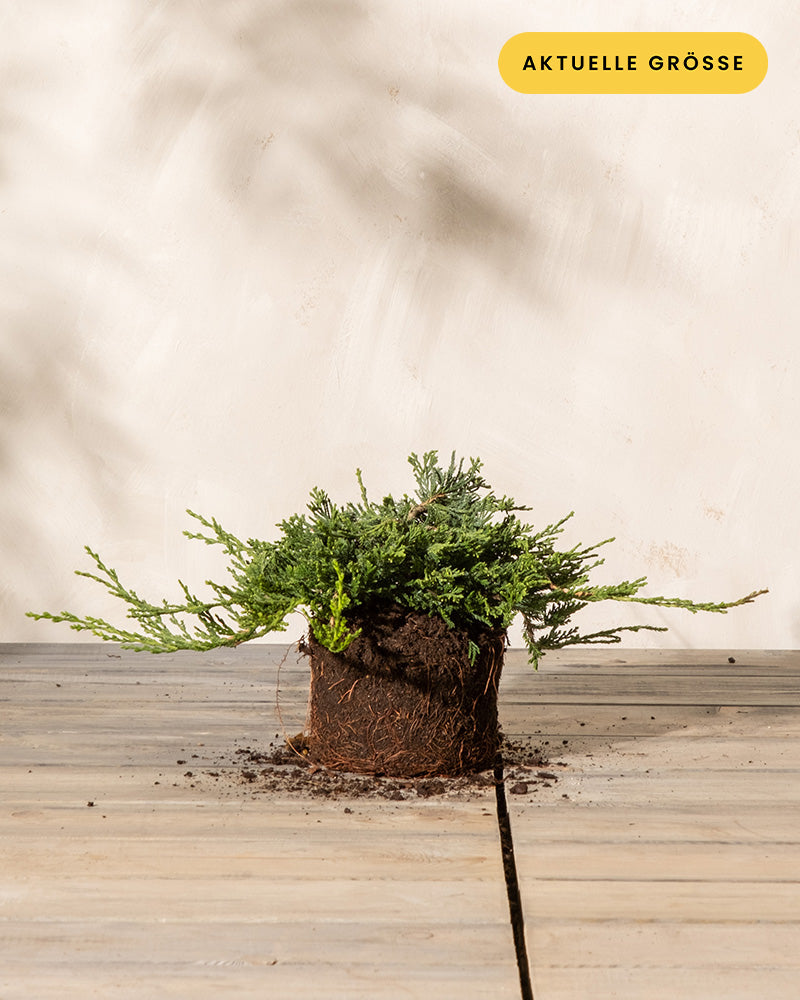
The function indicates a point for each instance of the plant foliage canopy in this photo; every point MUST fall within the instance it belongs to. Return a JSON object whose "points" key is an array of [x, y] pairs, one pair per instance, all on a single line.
{"points": [[453, 550]]}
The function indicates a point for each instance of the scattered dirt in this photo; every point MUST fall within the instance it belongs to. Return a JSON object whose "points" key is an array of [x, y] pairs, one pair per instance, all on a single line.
{"points": [[279, 770]]}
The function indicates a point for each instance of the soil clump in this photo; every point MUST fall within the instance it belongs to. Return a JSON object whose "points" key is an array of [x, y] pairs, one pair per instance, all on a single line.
{"points": [[409, 697]]}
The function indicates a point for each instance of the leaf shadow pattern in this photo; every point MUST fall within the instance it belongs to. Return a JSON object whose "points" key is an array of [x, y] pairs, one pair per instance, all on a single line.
{"points": [[312, 111], [300, 116], [58, 431]]}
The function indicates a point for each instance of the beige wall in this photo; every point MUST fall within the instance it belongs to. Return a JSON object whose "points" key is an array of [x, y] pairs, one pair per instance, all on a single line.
{"points": [[249, 246]]}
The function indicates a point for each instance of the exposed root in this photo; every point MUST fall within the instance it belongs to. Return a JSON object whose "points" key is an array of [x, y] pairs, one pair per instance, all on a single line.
{"points": [[413, 703]]}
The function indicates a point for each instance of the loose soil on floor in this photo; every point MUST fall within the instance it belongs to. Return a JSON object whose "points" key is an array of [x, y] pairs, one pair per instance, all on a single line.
{"points": [[281, 770]]}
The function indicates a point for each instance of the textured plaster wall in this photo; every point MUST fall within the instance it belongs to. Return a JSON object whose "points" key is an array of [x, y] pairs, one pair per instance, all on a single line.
{"points": [[247, 246]]}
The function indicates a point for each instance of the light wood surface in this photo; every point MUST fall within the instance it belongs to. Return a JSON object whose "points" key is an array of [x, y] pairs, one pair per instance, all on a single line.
{"points": [[664, 861], [161, 889]]}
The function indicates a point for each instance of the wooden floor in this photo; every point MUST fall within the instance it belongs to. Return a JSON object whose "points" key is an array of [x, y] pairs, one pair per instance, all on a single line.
{"points": [[663, 862]]}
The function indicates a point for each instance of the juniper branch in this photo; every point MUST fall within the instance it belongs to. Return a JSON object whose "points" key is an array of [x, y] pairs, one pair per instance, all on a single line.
{"points": [[455, 550]]}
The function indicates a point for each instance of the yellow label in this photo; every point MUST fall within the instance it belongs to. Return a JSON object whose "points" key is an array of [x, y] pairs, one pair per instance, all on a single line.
{"points": [[633, 62]]}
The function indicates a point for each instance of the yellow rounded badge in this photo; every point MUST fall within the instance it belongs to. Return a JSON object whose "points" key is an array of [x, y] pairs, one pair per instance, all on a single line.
{"points": [[633, 62]]}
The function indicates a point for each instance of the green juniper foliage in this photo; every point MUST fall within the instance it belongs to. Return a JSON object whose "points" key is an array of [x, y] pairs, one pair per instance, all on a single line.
{"points": [[454, 550]]}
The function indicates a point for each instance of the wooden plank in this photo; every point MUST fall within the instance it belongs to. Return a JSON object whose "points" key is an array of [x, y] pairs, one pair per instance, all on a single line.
{"points": [[600, 657], [699, 945], [654, 861], [551, 821], [617, 722], [704, 961], [168, 886], [588, 901], [71, 787], [344, 978], [659, 691], [750, 792], [665, 680], [97, 652], [665, 982], [596, 655], [665, 860]]}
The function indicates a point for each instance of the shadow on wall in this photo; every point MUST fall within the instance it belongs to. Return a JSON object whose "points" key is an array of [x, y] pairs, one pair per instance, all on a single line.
{"points": [[329, 116], [376, 146], [57, 427], [57, 436], [334, 112]]}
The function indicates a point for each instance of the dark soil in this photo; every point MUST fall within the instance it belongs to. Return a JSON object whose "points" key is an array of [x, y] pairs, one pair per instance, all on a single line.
{"points": [[403, 699], [278, 770]]}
